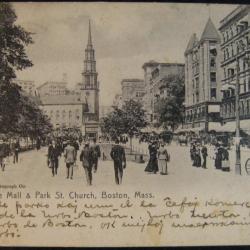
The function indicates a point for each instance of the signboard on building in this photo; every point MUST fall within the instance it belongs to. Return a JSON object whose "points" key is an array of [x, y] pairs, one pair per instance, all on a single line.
{"points": [[213, 108]]}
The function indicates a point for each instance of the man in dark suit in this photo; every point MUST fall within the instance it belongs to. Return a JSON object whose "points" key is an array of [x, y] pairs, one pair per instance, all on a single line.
{"points": [[53, 154], [16, 149], [87, 162], [96, 153], [118, 155]]}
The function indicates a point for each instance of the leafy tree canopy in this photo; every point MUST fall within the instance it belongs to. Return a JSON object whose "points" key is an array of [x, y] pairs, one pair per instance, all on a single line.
{"points": [[171, 108]]}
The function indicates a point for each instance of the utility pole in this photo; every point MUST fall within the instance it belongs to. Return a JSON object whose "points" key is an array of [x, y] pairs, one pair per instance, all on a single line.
{"points": [[237, 118]]}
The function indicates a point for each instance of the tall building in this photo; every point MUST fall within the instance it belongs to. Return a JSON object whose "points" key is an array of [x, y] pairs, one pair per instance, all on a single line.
{"points": [[27, 86], [235, 44], [148, 67], [132, 89], [154, 76], [79, 108], [90, 89], [203, 80]]}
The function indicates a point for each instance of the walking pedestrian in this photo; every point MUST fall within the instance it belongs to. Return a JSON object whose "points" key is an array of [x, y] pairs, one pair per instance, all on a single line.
{"points": [[86, 159], [76, 146], [192, 153], [38, 143], [96, 154], [197, 156], [225, 159], [70, 158], [2, 154], [163, 158], [218, 156], [204, 156], [53, 155], [118, 156], [152, 166], [16, 149]]}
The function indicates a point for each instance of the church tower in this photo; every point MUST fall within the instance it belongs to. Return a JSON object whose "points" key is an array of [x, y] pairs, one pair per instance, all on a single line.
{"points": [[90, 86]]}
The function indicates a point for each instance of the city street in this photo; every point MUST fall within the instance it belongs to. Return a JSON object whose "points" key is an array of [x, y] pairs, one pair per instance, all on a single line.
{"points": [[33, 172]]}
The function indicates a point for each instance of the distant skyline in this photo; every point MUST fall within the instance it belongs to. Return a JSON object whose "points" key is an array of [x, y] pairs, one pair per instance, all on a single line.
{"points": [[125, 35]]}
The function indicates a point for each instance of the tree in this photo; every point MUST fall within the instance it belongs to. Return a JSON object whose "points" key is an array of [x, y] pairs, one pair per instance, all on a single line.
{"points": [[171, 108], [130, 119], [13, 41]]}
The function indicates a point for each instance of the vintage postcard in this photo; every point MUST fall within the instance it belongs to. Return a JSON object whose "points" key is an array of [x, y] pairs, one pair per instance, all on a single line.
{"points": [[124, 124]]}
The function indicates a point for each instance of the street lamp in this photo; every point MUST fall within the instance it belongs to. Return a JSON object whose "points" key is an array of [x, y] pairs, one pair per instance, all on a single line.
{"points": [[237, 110]]}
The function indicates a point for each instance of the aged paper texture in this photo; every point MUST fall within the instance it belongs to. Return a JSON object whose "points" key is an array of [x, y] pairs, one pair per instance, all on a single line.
{"points": [[124, 124]]}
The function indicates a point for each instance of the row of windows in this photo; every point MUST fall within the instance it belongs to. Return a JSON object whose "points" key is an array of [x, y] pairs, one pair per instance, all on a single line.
{"points": [[234, 30], [196, 114], [213, 95], [63, 113], [235, 48], [228, 109]]}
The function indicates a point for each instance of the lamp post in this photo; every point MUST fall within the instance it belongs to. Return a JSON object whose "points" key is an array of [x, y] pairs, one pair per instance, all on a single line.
{"points": [[237, 119]]}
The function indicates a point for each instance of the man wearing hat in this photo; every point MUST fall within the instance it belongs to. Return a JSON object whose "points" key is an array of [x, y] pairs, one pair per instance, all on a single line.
{"points": [[118, 155], [70, 158], [86, 157]]}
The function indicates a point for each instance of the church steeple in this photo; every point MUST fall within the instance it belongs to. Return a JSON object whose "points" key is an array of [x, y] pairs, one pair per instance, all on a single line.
{"points": [[90, 85], [89, 62], [89, 38]]}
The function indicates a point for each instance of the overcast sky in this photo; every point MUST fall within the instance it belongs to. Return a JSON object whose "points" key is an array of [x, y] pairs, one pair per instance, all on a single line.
{"points": [[125, 35]]}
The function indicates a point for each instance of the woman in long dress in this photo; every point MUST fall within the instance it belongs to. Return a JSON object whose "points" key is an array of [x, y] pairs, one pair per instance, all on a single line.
{"points": [[163, 158], [218, 156], [152, 166]]}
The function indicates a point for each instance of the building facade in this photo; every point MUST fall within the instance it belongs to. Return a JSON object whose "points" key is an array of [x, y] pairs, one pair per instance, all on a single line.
{"points": [[132, 89], [235, 47], [203, 81], [64, 111], [148, 67], [156, 89], [27, 86]]}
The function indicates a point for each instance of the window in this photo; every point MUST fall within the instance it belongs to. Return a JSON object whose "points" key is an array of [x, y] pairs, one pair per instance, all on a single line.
{"points": [[213, 76], [230, 72], [213, 93], [212, 62]]}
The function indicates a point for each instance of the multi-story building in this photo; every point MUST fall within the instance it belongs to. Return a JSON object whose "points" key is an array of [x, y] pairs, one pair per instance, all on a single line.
{"points": [[64, 111], [155, 75], [27, 86], [235, 46], [75, 109], [132, 89], [148, 67], [52, 88], [203, 81]]}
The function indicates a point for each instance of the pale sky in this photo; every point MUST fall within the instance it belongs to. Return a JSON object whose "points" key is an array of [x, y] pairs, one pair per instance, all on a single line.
{"points": [[125, 35]]}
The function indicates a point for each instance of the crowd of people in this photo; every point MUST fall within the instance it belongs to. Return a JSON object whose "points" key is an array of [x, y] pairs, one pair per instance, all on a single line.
{"points": [[89, 155], [199, 154], [88, 152]]}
